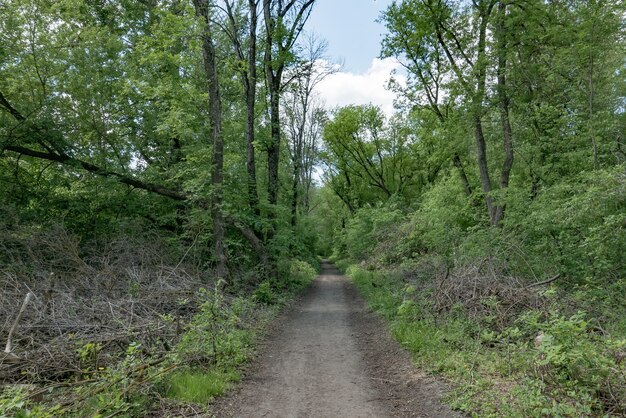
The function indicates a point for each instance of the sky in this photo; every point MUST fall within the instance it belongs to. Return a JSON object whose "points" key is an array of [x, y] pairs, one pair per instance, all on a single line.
{"points": [[354, 36]]}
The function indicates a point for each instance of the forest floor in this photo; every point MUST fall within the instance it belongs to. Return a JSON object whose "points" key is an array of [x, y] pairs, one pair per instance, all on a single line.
{"points": [[328, 356]]}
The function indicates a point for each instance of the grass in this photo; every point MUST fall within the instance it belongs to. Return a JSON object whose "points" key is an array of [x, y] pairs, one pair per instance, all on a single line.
{"points": [[200, 387], [501, 373], [221, 337]]}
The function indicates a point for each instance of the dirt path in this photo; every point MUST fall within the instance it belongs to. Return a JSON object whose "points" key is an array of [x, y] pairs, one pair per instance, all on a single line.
{"points": [[329, 357]]}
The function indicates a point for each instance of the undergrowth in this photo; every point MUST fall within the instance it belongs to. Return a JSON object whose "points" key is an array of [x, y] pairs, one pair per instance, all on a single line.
{"points": [[548, 360], [188, 349]]}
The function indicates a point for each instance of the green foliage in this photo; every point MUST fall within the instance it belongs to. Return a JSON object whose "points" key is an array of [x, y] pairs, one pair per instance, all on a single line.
{"points": [[199, 387], [368, 227], [374, 287], [580, 225], [575, 360], [214, 337], [293, 277], [300, 274], [443, 219], [370, 158], [122, 389], [14, 403], [264, 294], [545, 363]]}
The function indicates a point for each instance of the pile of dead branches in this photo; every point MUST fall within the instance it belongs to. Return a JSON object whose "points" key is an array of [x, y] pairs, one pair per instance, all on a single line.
{"points": [[66, 310], [480, 290]]}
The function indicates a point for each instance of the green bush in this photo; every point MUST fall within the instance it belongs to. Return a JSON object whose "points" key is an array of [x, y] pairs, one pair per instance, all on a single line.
{"points": [[579, 225], [295, 275], [369, 227], [570, 370], [264, 294], [214, 337], [301, 273], [576, 363], [443, 219]]}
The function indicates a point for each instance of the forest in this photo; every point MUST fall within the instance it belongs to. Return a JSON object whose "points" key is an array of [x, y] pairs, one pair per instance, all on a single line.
{"points": [[170, 180]]}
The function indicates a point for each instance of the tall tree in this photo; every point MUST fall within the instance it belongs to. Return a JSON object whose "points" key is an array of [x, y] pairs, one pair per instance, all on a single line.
{"points": [[217, 136], [304, 117], [462, 36], [246, 50], [411, 43], [501, 48], [284, 21]]}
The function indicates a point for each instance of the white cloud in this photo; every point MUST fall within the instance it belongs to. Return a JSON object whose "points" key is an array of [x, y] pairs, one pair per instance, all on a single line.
{"points": [[346, 88]]}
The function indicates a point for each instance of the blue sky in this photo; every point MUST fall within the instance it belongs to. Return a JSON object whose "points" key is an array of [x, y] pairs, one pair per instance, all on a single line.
{"points": [[354, 39], [351, 31]]}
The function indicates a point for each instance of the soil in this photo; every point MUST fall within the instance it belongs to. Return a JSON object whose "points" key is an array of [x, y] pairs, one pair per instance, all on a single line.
{"points": [[328, 356]]}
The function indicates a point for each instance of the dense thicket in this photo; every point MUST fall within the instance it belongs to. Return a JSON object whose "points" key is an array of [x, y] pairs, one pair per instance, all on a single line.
{"points": [[511, 129], [503, 174], [153, 112], [142, 161]]}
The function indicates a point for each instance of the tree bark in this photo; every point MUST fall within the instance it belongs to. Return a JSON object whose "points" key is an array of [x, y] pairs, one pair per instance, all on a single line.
{"points": [[480, 71], [503, 99], [272, 72], [294, 191], [456, 159], [249, 83], [215, 114], [281, 35], [273, 149], [253, 195]]}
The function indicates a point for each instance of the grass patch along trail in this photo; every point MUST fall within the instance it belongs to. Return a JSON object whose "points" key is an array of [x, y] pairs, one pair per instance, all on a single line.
{"points": [[329, 356]]}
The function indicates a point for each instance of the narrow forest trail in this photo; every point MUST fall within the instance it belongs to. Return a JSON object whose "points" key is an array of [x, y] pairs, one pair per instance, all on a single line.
{"points": [[329, 357]]}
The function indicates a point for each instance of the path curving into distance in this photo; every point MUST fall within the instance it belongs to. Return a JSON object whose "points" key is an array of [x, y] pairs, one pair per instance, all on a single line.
{"points": [[329, 357]]}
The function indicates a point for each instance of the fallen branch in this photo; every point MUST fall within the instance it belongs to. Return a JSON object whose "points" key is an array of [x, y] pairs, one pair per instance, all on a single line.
{"points": [[550, 280], [9, 347], [92, 168]]}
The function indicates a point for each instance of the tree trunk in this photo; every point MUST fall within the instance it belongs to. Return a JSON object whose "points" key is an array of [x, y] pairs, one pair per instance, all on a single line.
{"points": [[503, 99], [294, 190], [282, 32], [485, 180], [273, 150], [466, 184], [480, 72], [253, 196], [215, 114]]}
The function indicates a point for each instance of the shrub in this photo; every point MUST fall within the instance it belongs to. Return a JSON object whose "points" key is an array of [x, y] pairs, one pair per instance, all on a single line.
{"points": [[214, 337], [264, 294]]}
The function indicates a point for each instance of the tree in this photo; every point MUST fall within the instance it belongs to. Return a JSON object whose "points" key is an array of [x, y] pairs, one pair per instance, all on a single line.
{"points": [[304, 117], [368, 160], [217, 136], [246, 51], [445, 29], [423, 58], [284, 21]]}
